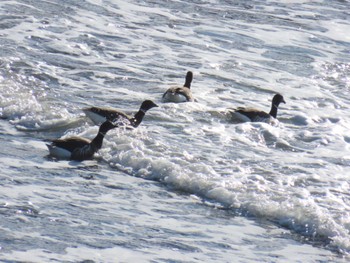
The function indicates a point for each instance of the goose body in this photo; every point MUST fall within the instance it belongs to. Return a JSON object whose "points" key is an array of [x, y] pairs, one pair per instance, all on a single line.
{"points": [[77, 148], [180, 93], [101, 114], [255, 115]]}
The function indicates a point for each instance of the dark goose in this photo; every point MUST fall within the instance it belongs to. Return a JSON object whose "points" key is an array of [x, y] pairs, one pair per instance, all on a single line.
{"points": [[78, 148], [255, 115], [178, 93], [99, 114]]}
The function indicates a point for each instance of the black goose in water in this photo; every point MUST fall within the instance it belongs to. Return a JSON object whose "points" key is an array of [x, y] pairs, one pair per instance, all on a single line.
{"points": [[178, 93], [255, 115], [99, 115], [77, 148]]}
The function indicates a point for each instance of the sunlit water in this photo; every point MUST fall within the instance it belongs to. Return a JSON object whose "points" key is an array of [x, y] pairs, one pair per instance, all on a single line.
{"points": [[188, 185]]}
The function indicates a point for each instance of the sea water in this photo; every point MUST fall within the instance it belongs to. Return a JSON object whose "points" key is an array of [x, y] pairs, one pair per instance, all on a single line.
{"points": [[188, 185]]}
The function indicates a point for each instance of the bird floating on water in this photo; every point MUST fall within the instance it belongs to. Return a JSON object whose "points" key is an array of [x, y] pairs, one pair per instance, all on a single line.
{"points": [[78, 148], [255, 115], [180, 93], [100, 114]]}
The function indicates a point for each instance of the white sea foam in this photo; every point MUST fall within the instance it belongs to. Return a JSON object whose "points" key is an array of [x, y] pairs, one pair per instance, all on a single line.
{"points": [[259, 192], [24, 102]]}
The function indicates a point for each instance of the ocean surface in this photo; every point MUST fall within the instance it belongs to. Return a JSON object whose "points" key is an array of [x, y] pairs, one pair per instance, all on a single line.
{"points": [[187, 185]]}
